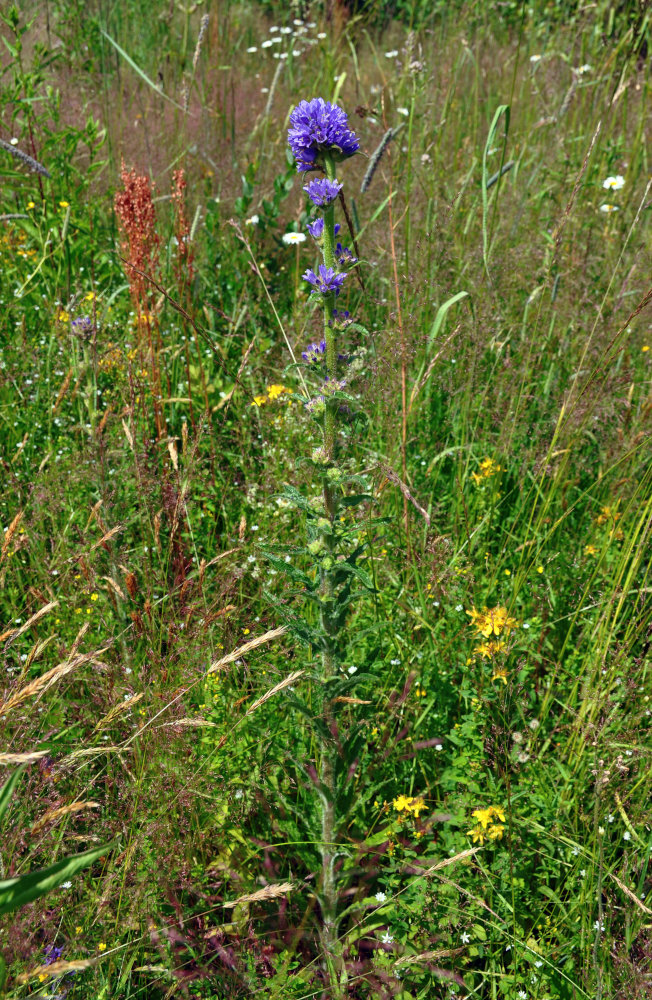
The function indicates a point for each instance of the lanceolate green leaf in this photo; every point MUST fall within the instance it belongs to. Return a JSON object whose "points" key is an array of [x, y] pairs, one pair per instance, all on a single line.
{"points": [[8, 789], [16, 892]]}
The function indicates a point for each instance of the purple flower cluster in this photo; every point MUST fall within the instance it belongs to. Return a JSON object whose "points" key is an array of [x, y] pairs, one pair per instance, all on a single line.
{"points": [[316, 229], [322, 192], [313, 352], [327, 281], [83, 327], [341, 319], [52, 954], [344, 257], [318, 127]]}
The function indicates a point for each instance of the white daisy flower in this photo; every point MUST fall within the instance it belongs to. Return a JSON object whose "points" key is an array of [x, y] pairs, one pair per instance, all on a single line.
{"points": [[253, 220], [286, 31], [380, 897], [403, 111], [387, 938], [614, 183], [273, 28], [585, 68], [252, 48], [392, 54], [608, 208], [321, 34], [535, 58], [267, 44], [291, 238]]}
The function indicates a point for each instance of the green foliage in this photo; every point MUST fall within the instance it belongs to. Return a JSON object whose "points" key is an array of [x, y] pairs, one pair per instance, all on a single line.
{"points": [[161, 509]]}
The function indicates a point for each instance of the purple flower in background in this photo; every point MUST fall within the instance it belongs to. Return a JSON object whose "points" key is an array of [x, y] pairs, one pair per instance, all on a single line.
{"points": [[326, 281], [322, 192], [316, 229], [314, 351], [318, 127], [343, 256], [52, 954], [83, 327]]}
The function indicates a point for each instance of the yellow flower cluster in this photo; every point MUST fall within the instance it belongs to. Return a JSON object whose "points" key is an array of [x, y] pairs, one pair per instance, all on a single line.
{"points": [[488, 468], [490, 649], [408, 805], [274, 392], [487, 827], [492, 621], [610, 515]]}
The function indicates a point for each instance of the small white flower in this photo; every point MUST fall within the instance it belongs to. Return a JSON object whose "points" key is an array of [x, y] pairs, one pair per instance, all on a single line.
{"points": [[253, 220], [13, 141], [465, 938], [286, 30], [525, 625], [395, 663], [598, 926], [584, 68], [66, 885], [297, 23], [387, 938], [538, 963], [352, 670], [610, 818], [533, 724], [392, 54], [252, 48], [601, 831], [425, 158], [321, 34], [459, 607], [380, 897], [535, 58], [583, 873], [575, 851], [521, 993], [436, 604], [627, 835], [239, 793], [273, 28], [403, 111], [267, 44], [608, 208], [614, 183], [277, 40]]}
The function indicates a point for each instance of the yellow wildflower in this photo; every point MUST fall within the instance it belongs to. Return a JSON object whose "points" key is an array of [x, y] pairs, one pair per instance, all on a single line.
{"points": [[101, 946], [63, 316], [488, 468], [495, 831], [476, 834], [608, 514], [274, 391], [590, 550], [64, 204], [499, 674], [409, 804], [483, 816], [490, 649], [259, 400], [492, 621]]}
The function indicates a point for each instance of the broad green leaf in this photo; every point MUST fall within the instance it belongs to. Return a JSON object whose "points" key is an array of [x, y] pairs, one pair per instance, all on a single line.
{"points": [[16, 892]]}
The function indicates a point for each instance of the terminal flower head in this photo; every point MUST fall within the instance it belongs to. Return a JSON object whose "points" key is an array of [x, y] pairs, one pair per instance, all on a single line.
{"points": [[322, 192], [290, 239], [614, 183], [318, 127], [327, 281]]}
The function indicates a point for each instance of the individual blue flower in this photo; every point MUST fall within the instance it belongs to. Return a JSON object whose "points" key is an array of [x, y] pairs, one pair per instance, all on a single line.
{"points": [[316, 229], [344, 257], [318, 127], [313, 352], [322, 192], [326, 282]]}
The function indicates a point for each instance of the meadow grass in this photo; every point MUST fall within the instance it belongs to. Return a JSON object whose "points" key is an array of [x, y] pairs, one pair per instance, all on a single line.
{"points": [[491, 748]]}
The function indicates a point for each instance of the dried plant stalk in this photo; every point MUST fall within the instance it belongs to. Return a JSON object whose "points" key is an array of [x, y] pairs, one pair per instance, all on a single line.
{"points": [[118, 709], [241, 650], [53, 815], [269, 892], [275, 690]]}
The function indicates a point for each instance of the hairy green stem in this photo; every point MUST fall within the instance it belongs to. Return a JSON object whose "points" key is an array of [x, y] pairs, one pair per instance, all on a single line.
{"points": [[331, 944]]}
